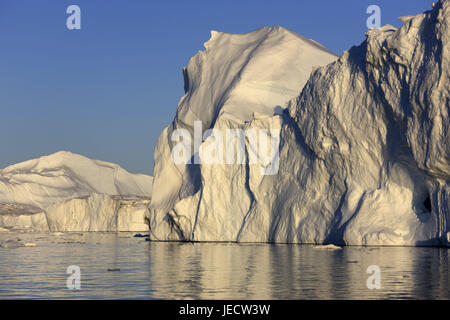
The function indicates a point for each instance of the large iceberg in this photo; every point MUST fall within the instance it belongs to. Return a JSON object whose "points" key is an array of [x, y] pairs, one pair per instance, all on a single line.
{"points": [[363, 140], [70, 192]]}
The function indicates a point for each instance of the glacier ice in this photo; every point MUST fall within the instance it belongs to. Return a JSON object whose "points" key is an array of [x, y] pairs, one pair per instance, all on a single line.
{"points": [[364, 140], [70, 192]]}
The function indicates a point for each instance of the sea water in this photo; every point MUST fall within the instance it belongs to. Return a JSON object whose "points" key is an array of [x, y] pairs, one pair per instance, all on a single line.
{"points": [[120, 266]]}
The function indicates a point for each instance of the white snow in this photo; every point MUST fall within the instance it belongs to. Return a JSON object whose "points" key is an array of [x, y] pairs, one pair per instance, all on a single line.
{"points": [[70, 192], [363, 147]]}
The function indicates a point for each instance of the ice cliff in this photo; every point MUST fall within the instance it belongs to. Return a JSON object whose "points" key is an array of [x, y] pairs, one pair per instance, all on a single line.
{"points": [[70, 192], [363, 140]]}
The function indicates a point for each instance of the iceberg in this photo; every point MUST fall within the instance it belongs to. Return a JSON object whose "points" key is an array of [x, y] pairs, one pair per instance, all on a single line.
{"points": [[70, 192], [363, 153]]}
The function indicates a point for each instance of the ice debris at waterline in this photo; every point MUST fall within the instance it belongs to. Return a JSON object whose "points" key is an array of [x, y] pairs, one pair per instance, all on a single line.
{"points": [[363, 140], [327, 247], [14, 244], [70, 192]]}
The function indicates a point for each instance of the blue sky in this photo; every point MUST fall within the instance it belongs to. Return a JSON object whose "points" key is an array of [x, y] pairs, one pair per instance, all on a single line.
{"points": [[107, 91]]}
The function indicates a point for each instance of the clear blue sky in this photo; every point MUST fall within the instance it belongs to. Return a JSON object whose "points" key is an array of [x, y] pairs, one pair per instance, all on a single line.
{"points": [[107, 91]]}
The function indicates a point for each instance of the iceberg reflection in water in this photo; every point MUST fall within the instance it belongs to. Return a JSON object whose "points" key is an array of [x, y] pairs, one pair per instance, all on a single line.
{"points": [[171, 270]]}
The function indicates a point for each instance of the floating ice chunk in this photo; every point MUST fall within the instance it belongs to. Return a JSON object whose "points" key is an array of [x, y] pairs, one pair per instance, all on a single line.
{"points": [[30, 244], [327, 247]]}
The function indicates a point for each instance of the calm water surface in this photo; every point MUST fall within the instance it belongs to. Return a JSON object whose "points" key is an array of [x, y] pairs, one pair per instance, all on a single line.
{"points": [[164, 270]]}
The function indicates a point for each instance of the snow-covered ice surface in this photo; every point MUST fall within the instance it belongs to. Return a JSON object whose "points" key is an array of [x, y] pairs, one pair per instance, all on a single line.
{"points": [[364, 148], [70, 192]]}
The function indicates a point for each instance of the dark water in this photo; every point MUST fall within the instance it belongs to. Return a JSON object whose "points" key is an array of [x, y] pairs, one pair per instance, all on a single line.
{"points": [[162, 270]]}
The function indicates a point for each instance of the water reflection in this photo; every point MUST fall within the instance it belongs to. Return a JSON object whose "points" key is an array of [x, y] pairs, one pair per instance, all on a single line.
{"points": [[248, 271], [161, 270]]}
